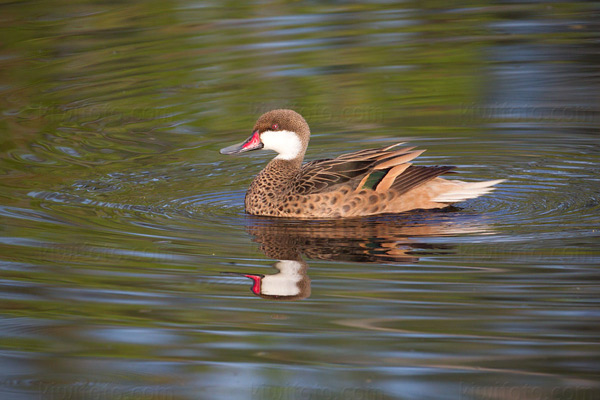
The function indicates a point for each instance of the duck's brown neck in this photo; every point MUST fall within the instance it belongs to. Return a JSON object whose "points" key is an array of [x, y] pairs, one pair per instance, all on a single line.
{"points": [[271, 185], [285, 165], [279, 172]]}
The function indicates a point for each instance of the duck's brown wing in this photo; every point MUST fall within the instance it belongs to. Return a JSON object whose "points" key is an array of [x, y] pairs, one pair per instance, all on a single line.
{"points": [[322, 176], [376, 169]]}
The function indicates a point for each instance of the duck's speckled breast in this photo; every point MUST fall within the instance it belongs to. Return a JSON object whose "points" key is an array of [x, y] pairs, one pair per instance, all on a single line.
{"points": [[271, 189], [273, 192]]}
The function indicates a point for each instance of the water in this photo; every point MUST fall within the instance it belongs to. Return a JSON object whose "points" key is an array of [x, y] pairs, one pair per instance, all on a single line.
{"points": [[128, 262]]}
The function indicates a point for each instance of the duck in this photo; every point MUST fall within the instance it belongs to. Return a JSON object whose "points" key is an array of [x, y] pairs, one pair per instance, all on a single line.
{"points": [[357, 184]]}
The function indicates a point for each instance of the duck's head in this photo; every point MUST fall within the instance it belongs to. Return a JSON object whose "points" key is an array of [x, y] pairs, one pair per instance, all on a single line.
{"points": [[291, 282], [283, 131]]}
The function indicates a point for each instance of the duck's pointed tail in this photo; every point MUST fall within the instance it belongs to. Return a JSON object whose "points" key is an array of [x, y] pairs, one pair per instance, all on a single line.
{"points": [[467, 190]]}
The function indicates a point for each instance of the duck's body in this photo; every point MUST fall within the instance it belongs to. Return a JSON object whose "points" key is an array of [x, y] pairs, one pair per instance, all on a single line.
{"points": [[366, 182]]}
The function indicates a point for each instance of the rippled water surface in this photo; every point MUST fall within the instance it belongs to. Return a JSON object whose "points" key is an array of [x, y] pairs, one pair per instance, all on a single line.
{"points": [[129, 269]]}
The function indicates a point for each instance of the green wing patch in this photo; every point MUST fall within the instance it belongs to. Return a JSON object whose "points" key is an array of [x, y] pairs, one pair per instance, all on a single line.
{"points": [[373, 179]]}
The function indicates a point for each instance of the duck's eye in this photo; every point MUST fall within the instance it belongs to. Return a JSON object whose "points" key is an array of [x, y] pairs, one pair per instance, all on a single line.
{"points": [[275, 127]]}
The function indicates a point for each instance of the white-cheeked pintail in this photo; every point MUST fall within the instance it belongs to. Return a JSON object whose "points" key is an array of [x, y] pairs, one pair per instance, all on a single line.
{"points": [[365, 182]]}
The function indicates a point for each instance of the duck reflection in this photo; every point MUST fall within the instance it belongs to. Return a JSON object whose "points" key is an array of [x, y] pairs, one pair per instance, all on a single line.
{"points": [[384, 239]]}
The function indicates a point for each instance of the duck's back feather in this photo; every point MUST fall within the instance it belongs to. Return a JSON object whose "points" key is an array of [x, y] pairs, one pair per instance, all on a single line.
{"points": [[376, 169]]}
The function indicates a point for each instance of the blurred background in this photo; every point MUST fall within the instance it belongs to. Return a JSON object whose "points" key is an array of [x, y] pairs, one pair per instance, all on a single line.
{"points": [[124, 243]]}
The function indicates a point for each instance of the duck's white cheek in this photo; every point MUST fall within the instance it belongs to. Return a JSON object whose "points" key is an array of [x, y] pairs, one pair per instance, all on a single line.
{"points": [[284, 283], [286, 143]]}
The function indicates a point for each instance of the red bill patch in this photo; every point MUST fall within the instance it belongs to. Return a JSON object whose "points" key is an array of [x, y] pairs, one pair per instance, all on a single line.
{"points": [[253, 142]]}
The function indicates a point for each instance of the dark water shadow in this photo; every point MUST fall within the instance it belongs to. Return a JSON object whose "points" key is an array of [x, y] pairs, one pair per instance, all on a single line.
{"points": [[384, 239]]}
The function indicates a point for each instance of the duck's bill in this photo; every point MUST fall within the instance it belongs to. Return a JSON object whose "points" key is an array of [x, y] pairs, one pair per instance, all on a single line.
{"points": [[252, 143], [256, 280], [251, 276]]}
